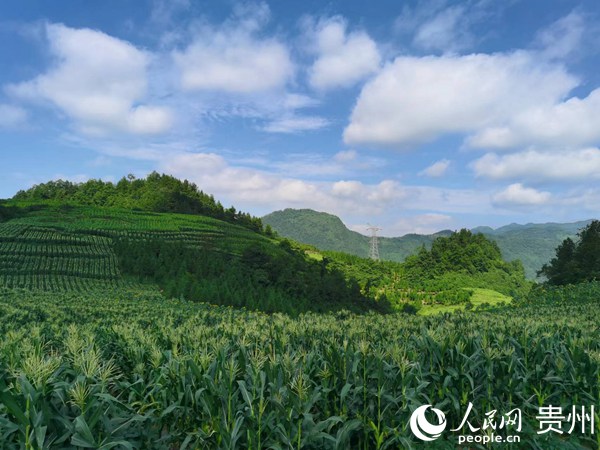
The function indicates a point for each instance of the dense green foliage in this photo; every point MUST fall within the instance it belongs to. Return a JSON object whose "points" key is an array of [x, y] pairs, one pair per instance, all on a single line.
{"points": [[158, 193], [75, 248], [96, 353], [387, 282], [7, 212], [576, 261], [542, 294], [324, 231], [68, 247], [532, 244], [465, 259], [266, 277], [460, 252], [130, 369], [444, 275]]}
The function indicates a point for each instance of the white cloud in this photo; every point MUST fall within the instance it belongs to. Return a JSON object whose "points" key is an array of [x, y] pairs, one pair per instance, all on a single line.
{"points": [[416, 99], [98, 81], [437, 169], [421, 224], [447, 200], [345, 156], [563, 37], [587, 199], [447, 26], [163, 12], [343, 58], [574, 122], [309, 165], [296, 124], [233, 58], [446, 31], [12, 116], [256, 189], [533, 165], [517, 195], [346, 188], [299, 101]]}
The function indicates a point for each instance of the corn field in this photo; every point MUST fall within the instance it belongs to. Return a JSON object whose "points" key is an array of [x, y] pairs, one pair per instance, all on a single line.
{"points": [[128, 369]]}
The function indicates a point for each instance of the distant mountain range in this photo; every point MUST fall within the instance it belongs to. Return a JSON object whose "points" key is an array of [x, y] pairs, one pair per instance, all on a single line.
{"points": [[533, 244]]}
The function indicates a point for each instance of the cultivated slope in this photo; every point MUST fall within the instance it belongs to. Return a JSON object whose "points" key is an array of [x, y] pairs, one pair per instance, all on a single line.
{"points": [[71, 247], [79, 248]]}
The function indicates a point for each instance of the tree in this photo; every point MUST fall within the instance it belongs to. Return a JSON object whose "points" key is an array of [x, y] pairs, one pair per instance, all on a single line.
{"points": [[576, 262], [462, 251], [156, 192]]}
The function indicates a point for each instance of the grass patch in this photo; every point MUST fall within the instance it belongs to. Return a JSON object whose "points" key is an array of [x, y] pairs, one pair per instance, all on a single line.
{"points": [[480, 297]]}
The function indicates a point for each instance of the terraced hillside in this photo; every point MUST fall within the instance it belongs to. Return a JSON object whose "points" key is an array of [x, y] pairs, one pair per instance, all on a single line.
{"points": [[65, 247], [71, 248]]}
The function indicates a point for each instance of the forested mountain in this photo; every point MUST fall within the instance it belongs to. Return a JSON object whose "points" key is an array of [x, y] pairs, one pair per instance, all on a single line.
{"points": [[324, 231], [533, 244], [327, 232]]}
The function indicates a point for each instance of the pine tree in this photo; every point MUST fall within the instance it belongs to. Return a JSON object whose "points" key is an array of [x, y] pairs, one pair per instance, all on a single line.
{"points": [[576, 262]]}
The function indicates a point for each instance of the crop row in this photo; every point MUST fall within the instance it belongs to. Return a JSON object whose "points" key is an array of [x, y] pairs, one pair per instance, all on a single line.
{"points": [[50, 248], [91, 218], [181, 375], [57, 283], [98, 267]]}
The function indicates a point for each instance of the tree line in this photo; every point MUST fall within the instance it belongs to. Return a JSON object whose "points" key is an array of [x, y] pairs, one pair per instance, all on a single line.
{"points": [[576, 261], [264, 277], [157, 193]]}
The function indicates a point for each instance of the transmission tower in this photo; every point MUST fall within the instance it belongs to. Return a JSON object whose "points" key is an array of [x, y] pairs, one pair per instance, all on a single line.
{"points": [[374, 252]]}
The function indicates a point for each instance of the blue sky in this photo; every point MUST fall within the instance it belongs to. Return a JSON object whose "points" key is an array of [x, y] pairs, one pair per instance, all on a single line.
{"points": [[413, 115]]}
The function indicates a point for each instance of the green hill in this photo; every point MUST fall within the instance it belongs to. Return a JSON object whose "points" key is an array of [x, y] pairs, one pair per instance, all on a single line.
{"points": [[324, 231], [163, 232], [327, 232], [532, 244], [65, 237]]}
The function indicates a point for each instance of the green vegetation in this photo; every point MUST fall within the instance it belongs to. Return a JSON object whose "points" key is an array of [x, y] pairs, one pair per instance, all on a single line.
{"points": [[158, 193], [130, 369], [322, 230], [266, 277], [464, 259], [70, 247], [117, 330], [327, 232], [578, 261], [532, 244], [443, 278], [463, 270], [199, 258], [480, 299]]}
